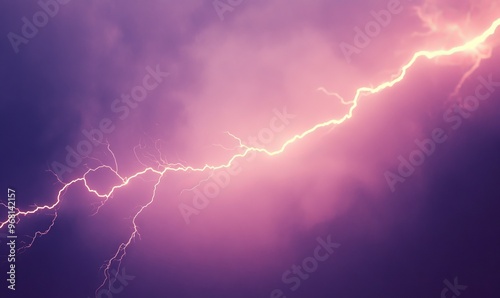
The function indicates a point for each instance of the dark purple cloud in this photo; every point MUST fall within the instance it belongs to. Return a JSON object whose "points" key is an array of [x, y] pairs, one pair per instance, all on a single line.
{"points": [[254, 74]]}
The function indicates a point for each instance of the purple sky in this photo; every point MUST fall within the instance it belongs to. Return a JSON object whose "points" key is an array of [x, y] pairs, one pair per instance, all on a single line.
{"points": [[252, 69]]}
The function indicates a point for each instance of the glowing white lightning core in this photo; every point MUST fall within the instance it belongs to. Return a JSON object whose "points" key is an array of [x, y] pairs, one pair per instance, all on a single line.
{"points": [[472, 47]]}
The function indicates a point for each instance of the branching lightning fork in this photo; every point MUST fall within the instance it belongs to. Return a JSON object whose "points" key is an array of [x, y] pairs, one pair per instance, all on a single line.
{"points": [[473, 47]]}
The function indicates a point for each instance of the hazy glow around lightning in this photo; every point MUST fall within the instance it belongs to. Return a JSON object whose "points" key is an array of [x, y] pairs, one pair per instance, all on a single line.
{"points": [[208, 120]]}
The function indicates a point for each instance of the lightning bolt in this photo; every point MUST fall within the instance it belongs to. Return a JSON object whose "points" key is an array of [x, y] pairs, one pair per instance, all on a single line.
{"points": [[474, 48]]}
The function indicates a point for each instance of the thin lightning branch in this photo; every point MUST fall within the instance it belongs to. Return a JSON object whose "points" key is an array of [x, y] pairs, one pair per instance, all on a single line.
{"points": [[198, 184], [342, 100], [122, 249], [478, 57], [39, 234]]}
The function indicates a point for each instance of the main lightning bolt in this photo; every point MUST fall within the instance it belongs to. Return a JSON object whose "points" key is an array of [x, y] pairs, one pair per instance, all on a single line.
{"points": [[474, 47]]}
